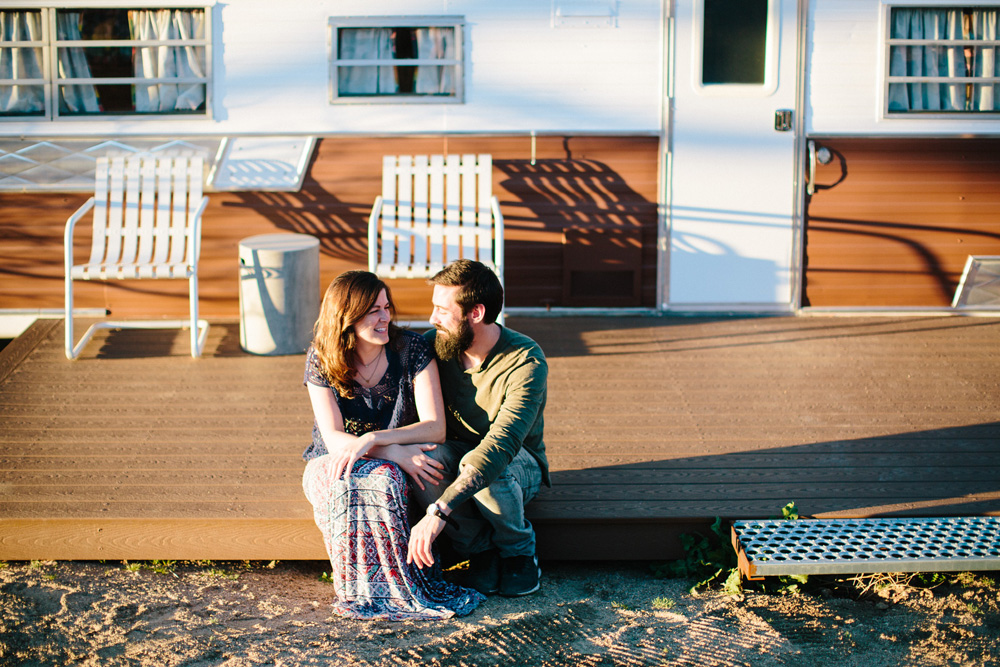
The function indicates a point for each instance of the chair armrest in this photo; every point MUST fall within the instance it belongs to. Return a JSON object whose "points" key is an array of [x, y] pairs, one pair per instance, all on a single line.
{"points": [[373, 234], [70, 226], [196, 231], [498, 258]]}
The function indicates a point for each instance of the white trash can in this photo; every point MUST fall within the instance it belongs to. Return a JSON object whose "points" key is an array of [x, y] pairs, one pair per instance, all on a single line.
{"points": [[279, 292]]}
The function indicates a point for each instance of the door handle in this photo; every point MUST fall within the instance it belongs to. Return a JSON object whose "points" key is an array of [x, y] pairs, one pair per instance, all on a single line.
{"points": [[783, 120]]}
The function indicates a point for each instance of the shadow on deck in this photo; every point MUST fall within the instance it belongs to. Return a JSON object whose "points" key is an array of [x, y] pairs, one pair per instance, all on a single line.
{"points": [[654, 426]]}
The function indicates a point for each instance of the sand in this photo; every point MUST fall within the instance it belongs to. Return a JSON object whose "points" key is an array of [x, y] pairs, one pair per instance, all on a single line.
{"points": [[235, 614]]}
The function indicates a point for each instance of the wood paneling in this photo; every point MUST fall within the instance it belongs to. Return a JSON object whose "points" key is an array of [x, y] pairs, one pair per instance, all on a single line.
{"points": [[575, 181], [892, 221], [654, 426]]}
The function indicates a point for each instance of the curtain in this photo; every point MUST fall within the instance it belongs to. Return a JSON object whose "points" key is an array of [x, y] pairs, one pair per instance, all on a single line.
{"points": [[435, 43], [985, 96], [21, 63], [929, 60], [160, 62], [77, 98], [365, 44]]}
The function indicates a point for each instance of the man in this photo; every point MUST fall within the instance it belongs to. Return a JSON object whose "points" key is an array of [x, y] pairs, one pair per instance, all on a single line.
{"points": [[494, 386]]}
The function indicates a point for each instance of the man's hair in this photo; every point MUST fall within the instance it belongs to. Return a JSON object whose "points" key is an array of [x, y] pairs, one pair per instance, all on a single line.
{"points": [[479, 285]]}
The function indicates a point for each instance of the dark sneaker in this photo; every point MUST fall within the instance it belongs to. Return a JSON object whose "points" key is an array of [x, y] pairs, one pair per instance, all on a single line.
{"points": [[484, 572], [519, 576]]}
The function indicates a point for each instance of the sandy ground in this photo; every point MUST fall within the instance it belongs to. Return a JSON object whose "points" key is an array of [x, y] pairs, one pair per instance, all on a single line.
{"points": [[238, 614]]}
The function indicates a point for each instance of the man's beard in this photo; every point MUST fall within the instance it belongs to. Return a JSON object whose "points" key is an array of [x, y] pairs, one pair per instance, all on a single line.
{"points": [[455, 343]]}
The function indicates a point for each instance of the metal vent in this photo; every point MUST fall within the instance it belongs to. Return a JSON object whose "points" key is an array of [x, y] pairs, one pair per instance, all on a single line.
{"points": [[857, 546]]}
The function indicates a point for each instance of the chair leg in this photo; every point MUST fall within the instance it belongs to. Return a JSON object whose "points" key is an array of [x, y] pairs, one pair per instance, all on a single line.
{"points": [[69, 318], [199, 329]]}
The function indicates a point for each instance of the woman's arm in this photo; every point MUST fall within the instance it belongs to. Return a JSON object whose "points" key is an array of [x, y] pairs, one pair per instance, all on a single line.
{"points": [[347, 448], [429, 429]]}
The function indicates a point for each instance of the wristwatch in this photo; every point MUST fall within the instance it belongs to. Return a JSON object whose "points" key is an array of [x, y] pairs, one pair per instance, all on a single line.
{"points": [[435, 509]]}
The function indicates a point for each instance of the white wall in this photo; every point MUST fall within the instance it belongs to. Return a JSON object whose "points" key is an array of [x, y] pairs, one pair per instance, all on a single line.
{"points": [[845, 65], [271, 73]]}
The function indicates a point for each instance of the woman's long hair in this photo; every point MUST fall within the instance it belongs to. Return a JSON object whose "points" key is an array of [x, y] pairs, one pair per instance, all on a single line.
{"points": [[347, 300]]}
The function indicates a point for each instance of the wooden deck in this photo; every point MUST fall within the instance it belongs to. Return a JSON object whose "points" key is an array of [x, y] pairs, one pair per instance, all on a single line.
{"points": [[654, 425]]}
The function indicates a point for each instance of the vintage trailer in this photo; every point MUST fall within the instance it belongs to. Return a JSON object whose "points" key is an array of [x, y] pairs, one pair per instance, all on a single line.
{"points": [[650, 155]]}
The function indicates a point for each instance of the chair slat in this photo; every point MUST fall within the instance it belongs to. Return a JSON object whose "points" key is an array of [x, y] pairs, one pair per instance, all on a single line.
{"points": [[101, 182], [147, 210], [116, 195], [404, 210], [418, 240], [161, 230], [130, 231], [484, 214], [179, 213], [453, 212], [390, 178], [468, 206], [436, 202]]}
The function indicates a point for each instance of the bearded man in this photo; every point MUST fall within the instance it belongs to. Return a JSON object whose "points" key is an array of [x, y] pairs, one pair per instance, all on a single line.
{"points": [[494, 384]]}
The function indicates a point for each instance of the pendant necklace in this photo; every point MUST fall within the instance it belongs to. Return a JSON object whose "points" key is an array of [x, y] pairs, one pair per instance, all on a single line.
{"points": [[375, 361]]}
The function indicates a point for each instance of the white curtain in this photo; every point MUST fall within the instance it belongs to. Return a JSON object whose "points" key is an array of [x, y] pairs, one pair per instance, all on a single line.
{"points": [[927, 61], [76, 98], [985, 96], [366, 44], [435, 43], [21, 63], [157, 62]]}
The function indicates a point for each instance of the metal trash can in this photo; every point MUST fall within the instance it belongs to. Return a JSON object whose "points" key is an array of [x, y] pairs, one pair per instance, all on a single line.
{"points": [[279, 292]]}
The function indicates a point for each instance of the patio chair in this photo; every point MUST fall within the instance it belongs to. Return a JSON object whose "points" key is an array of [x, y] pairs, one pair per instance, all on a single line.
{"points": [[433, 210], [147, 225]]}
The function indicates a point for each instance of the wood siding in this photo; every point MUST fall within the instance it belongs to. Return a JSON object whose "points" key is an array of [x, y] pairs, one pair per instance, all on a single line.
{"points": [[604, 183], [893, 220]]}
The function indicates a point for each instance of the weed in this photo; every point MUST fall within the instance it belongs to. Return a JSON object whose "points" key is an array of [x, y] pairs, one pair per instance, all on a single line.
{"points": [[663, 603], [621, 605], [132, 567], [326, 578], [711, 561]]}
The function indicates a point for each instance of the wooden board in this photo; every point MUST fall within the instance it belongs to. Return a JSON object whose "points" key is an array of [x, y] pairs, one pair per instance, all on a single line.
{"points": [[653, 426]]}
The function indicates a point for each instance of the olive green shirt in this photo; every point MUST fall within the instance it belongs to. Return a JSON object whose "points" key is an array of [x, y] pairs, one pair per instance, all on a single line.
{"points": [[496, 408]]}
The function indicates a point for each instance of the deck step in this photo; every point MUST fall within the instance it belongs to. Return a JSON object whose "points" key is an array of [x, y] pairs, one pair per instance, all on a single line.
{"points": [[865, 546]]}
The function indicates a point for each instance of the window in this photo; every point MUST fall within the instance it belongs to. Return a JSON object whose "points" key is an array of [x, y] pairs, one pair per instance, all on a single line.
{"points": [[396, 60], [59, 63], [942, 61], [734, 42]]}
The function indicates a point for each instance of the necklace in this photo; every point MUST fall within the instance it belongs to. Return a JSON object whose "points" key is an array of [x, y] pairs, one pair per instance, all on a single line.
{"points": [[378, 357]]}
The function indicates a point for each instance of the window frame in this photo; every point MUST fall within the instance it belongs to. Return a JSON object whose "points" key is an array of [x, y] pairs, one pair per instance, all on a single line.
{"points": [[337, 22], [50, 45], [885, 53], [772, 46]]}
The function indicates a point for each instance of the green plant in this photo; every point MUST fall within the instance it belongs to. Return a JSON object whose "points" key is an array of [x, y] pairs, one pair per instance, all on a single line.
{"points": [[326, 578], [663, 603], [709, 560]]}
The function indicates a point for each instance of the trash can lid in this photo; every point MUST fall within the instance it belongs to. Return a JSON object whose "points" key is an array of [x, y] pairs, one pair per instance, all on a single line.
{"points": [[279, 242]]}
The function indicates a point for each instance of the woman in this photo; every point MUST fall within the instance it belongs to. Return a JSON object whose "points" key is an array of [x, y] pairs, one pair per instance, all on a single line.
{"points": [[377, 401]]}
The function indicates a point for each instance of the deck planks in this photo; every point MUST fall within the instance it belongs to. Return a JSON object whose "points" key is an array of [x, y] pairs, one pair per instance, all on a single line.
{"points": [[654, 426]]}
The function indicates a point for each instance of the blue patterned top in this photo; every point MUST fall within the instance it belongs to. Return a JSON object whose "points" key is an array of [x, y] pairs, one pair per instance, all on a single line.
{"points": [[389, 404]]}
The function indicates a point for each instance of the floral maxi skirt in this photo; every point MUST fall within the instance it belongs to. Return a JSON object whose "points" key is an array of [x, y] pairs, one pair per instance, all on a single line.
{"points": [[366, 531]]}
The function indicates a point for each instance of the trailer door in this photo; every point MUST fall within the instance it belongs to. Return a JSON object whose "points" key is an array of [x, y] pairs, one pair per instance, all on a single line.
{"points": [[732, 144]]}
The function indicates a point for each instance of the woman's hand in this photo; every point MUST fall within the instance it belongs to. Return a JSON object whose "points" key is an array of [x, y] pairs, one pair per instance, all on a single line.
{"points": [[347, 455], [420, 467]]}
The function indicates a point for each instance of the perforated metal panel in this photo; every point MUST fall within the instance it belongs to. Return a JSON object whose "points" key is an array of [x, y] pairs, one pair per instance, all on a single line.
{"points": [[858, 546]]}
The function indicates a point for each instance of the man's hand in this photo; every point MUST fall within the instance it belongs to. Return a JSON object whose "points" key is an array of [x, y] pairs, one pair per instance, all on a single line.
{"points": [[421, 538], [420, 467]]}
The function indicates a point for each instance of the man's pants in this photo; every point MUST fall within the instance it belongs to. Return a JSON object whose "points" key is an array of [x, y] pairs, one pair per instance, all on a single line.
{"points": [[494, 517]]}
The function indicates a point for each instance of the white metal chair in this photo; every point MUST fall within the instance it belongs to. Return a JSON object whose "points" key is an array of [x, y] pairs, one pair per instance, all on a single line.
{"points": [[147, 225], [433, 210]]}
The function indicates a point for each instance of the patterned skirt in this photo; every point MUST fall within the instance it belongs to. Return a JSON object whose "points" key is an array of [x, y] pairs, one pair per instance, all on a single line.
{"points": [[366, 530]]}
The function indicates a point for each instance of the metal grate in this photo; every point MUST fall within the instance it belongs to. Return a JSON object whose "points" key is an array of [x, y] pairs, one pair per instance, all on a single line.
{"points": [[859, 546]]}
